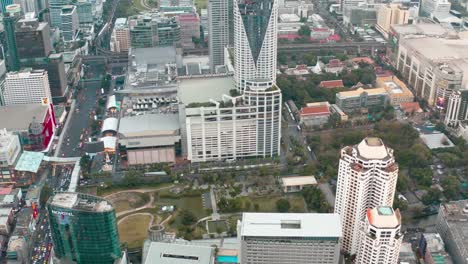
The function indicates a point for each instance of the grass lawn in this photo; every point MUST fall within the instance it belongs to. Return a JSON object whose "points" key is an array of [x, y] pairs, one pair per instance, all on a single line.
{"points": [[268, 203], [134, 230], [130, 200], [217, 226], [191, 203]]}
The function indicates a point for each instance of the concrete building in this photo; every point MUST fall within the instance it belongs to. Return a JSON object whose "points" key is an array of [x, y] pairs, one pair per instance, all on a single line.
{"points": [[161, 252], [120, 38], [452, 223], [432, 249], [396, 90], [255, 41], [27, 87], [381, 236], [84, 9], [315, 114], [367, 177], [391, 14], [10, 150], [276, 238], [55, 7], [69, 23], [434, 67], [434, 7], [359, 13], [457, 109], [189, 28], [32, 39], [297, 183], [221, 30], [152, 30], [150, 138], [351, 101], [248, 125], [33, 123]]}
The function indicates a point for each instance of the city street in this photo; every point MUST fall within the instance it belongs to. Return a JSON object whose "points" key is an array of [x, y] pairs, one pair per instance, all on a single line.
{"points": [[79, 123]]}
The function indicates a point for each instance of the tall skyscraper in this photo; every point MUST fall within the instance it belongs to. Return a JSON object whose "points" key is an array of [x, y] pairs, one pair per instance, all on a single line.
{"points": [[69, 23], [55, 8], [255, 41], [275, 238], [367, 177], [457, 108], [12, 15], [380, 236], [84, 228], [221, 30], [27, 87]]}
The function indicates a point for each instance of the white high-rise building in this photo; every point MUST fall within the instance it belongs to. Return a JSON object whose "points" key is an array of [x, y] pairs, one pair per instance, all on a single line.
{"points": [[27, 87], [255, 41], [380, 236], [367, 177], [457, 108], [248, 125], [278, 238], [220, 25], [69, 23]]}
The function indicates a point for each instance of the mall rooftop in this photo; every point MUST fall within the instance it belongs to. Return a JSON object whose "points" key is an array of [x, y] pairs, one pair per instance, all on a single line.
{"points": [[81, 202]]}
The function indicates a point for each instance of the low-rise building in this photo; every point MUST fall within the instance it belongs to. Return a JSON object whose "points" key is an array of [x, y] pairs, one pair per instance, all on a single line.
{"points": [[410, 107], [150, 138], [350, 101], [332, 84], [297, 183], [407, 255], [397, 91], [27, 168], [276, 238], [315, 114], [432, 248], [452, 223], [10, 150], [335, 66]]}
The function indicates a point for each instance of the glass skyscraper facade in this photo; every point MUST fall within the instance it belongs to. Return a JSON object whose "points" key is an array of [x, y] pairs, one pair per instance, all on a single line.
{"points": [[84, 228]]}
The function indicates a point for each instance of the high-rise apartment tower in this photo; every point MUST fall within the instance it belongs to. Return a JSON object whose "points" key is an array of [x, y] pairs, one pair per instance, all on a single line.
{"points": [[221, 30], [380, 236], [255, 41], [367, 177]]}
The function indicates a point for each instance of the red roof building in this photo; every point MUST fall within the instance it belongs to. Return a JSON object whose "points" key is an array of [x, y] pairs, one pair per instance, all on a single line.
{"points": [[332, 84], [411, 107], [315, 114]]}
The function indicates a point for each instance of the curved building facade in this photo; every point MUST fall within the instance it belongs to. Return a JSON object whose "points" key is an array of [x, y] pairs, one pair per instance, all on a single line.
{"points": [[255, 40], [84, 228]]}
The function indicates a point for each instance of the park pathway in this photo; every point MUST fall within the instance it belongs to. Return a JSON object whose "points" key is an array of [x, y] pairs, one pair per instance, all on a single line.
{"points": [[147, 205]]}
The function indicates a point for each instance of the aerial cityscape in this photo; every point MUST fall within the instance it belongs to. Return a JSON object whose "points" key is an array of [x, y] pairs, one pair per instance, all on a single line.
{"points": [[234, 132]]}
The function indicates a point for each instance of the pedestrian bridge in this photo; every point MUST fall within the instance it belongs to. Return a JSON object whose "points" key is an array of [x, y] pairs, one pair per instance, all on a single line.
{"points": [[61, 160]]}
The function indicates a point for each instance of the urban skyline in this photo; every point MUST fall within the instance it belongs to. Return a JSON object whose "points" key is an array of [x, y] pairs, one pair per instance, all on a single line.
{"points": [[243, 131]]}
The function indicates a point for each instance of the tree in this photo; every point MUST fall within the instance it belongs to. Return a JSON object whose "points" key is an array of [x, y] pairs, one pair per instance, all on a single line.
{"points": [[187, 218], [85, 163], [283, 205], [452, 187], [400, 204], [304, 31], [423, 176], [431, 197], [315, 199], [131, 178], [402, 183]]}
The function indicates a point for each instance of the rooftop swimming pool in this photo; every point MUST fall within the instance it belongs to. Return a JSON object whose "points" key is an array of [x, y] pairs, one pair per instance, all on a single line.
{"points": [[227, 259]]}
